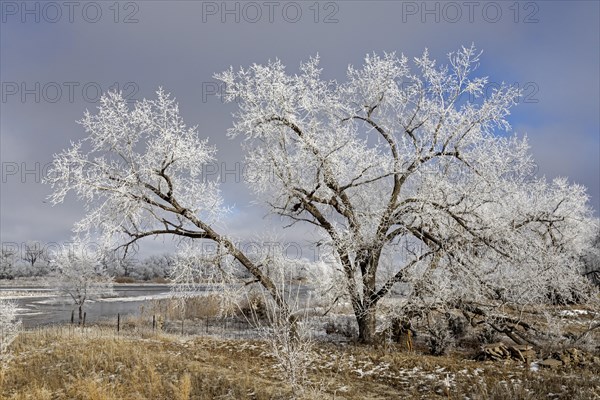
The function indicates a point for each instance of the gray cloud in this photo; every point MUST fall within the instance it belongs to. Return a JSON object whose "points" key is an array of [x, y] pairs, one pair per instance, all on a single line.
{"points": [[180, 45]]}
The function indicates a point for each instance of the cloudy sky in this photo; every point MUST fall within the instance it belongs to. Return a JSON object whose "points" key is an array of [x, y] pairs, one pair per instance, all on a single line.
{"points": [[56, 58]]}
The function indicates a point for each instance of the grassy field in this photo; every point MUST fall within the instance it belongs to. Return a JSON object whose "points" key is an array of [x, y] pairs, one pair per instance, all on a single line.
{"points": [[96, 364]]}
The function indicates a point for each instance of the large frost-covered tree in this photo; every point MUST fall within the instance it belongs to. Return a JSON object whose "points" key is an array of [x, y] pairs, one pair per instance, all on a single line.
{"points": [[408, 176], [414, 172]]}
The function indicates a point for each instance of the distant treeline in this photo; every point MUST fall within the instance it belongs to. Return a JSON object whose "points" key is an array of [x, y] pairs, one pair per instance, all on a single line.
{"points": [[33, 259]]}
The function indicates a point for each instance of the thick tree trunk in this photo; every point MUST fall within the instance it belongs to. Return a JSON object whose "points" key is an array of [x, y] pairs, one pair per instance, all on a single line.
{"points": [[80, 314], [367, 315], [366, 325]]}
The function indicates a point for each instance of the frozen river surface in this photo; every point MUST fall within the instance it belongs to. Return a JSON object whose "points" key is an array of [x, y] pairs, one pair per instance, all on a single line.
{"points": [[42, 307]]}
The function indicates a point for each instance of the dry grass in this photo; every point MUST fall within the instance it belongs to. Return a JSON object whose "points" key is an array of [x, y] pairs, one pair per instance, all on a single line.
{"points": [[196, 307], [63, 363], [95, 364]]}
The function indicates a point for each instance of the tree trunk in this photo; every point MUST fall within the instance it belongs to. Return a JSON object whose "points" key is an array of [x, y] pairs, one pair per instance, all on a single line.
{"points": [[80, 314], [366, 325], [367, 317]]}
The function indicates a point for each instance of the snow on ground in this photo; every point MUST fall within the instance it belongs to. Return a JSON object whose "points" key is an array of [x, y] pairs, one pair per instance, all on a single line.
{"points": [[158, 296], [58, 299], [573, 313]]}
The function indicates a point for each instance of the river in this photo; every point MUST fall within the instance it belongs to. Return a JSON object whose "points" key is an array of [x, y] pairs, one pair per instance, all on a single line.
{"points": [[43, 307]]}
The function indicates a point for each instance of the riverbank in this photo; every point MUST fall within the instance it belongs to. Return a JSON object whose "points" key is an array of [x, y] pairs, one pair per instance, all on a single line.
{"points": [[23, 282]]}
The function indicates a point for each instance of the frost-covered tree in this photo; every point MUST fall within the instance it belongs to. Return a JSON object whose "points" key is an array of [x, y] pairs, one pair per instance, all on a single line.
{"points": [[412, 171], [156, 266], [7, 263], [35, 256], [140, 173], [408, 176], [285, 330], [591, 260], [80, 275], [9, 327]]}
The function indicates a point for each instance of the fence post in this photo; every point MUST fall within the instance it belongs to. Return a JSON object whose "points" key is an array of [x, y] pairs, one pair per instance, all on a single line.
{"points": [[118, 323], [72, 317], [84, 315], [153, 323]]}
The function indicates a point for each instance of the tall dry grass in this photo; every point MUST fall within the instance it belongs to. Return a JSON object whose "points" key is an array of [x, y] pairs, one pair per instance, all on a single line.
{"points": [[96, 364]]}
